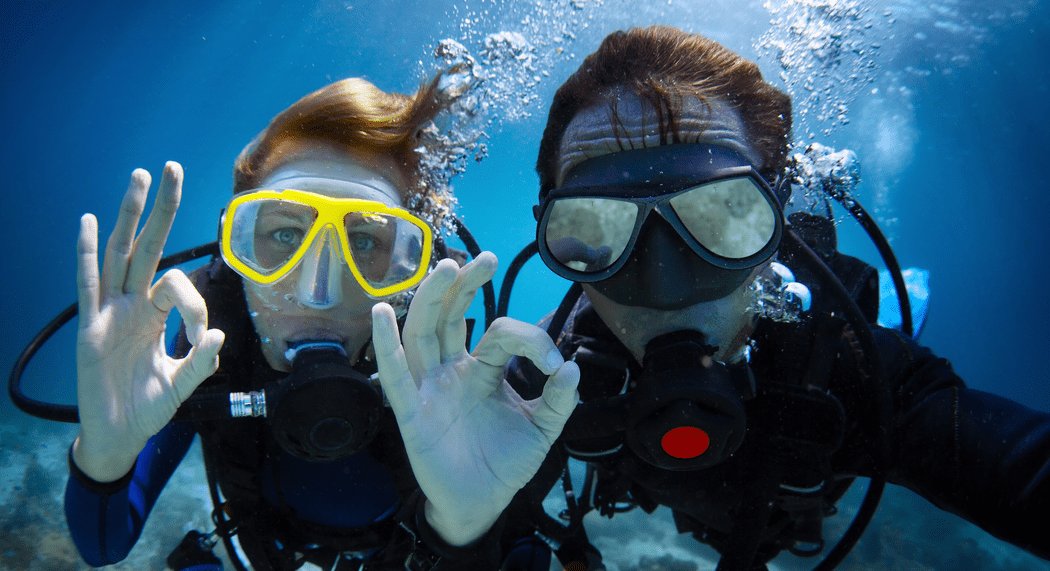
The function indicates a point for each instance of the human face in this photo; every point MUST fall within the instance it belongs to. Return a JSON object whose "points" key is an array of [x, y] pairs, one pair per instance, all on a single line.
{"points": [[726, 321], [290, 310]]}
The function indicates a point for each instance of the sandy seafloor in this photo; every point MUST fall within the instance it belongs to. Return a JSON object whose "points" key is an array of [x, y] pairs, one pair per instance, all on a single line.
{"points": [[907, 533], [33, 533]]}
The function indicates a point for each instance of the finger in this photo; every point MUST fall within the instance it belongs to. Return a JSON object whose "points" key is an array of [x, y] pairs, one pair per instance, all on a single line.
{"points": [[560, 397], [398, 386], [453, 329], [509, 337], [149, 245], [87, 270], [174, 289], [422, 349], [200, 363], [118, 248]]}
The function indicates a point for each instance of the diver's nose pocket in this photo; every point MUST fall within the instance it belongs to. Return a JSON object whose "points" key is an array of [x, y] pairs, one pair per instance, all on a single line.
{"points": [[320, 279]]}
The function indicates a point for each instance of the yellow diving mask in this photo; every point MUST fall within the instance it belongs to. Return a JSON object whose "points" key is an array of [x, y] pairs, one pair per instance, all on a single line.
{"points": [[266, 234]]}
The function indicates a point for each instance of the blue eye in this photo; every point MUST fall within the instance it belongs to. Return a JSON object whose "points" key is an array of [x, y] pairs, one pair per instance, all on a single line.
{"points": [[363, 242], [290, 237]]}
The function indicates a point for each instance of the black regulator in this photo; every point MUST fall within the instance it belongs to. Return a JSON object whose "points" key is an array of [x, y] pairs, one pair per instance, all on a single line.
{"points": [[325, 409], [684, 412], [687, 410]]}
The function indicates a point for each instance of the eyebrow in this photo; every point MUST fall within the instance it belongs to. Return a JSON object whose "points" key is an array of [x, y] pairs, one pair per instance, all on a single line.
{"points": [[282, 210]]}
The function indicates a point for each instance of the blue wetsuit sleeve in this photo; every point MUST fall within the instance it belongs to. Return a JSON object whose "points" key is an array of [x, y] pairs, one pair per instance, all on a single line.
{"points": [[980, 456], [105, 519]]}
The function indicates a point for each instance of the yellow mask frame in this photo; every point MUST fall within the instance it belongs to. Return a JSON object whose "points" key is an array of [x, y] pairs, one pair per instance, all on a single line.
{"points": [[330, 212]]}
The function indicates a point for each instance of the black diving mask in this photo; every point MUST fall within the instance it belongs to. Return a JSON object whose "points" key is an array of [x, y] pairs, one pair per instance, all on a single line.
{"points": [[597, 227]]}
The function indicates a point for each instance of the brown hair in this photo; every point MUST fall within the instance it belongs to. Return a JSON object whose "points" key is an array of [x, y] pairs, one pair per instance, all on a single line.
{"points": [[661, 65], [351, 113]]}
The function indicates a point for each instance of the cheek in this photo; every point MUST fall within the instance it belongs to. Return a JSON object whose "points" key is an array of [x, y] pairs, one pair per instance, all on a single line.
{"points": [[263, 317], [264, 307], [266, 301], [274, 298], [727, 322], [732, 330]]}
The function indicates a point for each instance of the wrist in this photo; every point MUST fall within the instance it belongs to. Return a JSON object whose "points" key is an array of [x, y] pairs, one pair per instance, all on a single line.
{"points": [[458, 531], [100, 465]]}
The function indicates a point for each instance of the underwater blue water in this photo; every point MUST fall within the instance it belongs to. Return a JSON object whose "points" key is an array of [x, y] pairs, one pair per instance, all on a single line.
{"points": [[951, 131]]}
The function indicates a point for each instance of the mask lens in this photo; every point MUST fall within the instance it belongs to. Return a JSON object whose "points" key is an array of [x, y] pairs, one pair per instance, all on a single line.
{"points": [[732, 218], [387, 250], [266, 233], [589, 234]]}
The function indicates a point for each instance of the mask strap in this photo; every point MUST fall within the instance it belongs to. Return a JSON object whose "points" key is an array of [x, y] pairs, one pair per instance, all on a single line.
{"points": [[782, 189]]}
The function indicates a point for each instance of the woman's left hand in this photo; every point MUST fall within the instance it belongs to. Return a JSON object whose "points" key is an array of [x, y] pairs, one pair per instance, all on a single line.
{"points": [[472, 440]]}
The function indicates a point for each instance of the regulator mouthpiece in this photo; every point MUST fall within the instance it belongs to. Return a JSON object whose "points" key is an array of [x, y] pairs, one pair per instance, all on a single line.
{"points": [[325, 409], [688, 409]]}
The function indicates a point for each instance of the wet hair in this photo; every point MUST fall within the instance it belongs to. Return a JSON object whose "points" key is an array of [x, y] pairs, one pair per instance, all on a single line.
{"points": [[662, 65], [353, 114]]}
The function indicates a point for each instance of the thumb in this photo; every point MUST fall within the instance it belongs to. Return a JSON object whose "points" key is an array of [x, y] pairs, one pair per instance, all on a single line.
{"points": [[558, 401], [199, 364]]}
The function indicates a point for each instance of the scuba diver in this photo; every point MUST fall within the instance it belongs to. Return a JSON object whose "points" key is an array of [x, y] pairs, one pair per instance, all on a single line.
{"points": [[731, 366], [327, 237]]}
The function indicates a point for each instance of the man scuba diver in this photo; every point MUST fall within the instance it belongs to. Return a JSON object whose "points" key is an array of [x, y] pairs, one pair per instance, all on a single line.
{"points": [[664, 172], [329, 226]]}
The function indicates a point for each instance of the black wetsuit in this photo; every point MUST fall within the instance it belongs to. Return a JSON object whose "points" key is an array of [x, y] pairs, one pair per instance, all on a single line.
{"points": [[972, 453]]}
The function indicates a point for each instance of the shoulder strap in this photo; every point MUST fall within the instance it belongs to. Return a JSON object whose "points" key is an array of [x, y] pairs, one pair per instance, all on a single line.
{"points": [[223, 294], [860, 278]]}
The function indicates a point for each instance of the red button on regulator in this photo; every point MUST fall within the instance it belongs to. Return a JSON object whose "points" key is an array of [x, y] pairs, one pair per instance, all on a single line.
{"points": [[685, 442]]}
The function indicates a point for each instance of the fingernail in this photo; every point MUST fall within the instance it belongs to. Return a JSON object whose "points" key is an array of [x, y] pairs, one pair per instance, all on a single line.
{"points": [[554, 359]]}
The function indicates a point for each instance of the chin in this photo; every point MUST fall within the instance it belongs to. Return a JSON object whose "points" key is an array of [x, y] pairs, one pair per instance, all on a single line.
{"points": [[722, 321]]}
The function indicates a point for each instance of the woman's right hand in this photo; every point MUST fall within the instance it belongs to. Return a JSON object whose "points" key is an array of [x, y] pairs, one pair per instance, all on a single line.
{"points": [[128, 387]]}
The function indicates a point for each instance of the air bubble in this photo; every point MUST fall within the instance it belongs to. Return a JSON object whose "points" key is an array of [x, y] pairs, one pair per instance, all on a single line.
{"points": [[776, 296], [820, 45], [486, 80]]}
